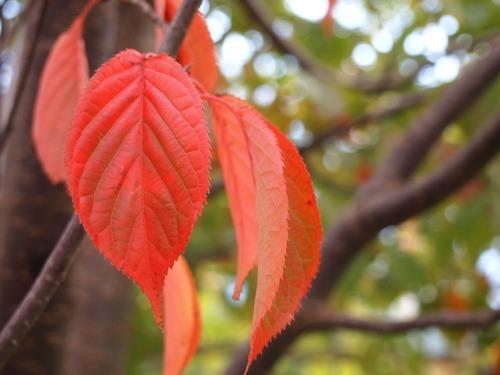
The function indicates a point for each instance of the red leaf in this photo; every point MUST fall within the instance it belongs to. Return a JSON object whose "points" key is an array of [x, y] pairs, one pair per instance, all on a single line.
{"points": [[182, 318], [137, 161], [303, 248], [327, 22], [63, 79], [197, 51], [288, 218], [271, 200], [270, 192]]}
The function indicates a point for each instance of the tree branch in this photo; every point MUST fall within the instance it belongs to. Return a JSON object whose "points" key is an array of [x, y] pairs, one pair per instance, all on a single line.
{"points": [[367, 217], [179, 26], [319, 70], [423, 133], [305, 59], [46, 284], [341, 128], [323, 318]]}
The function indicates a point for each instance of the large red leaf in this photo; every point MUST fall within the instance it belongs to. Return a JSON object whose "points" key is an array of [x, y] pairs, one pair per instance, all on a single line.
{"points": [[197, 51], [237, 170], [137, 161], [63, 79], [182, 318]]}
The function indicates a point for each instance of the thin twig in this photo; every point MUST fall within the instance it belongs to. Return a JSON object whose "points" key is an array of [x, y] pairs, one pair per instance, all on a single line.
{"points": [[341, 127], [323, 318], [305, 59], [179, 27], [46, 284], [309, 63]]}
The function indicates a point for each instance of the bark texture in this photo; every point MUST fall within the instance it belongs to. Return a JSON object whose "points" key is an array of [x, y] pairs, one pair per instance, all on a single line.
{"points": [[85, 327], [32, 213]]}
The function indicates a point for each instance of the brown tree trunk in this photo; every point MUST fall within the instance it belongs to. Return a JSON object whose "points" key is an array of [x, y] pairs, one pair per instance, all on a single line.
{"points": [[32, 213], [84, 328]]}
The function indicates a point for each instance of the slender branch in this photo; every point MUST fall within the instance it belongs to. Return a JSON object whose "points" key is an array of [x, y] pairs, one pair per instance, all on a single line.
{"points": [[424, 132], [323, 318], [395, 207], [46, 284], [179, 26], [342, 127], [260, 13], [305, 59], [6, 32], [148, 10]]}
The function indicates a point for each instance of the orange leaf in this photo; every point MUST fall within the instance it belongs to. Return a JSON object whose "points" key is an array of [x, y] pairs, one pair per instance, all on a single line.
{"points": [[303, 248], [63, 79], [271, 200], [197, 51], [137, 161], [182, 318], [288, 218], [327, 22], [236, 163]]}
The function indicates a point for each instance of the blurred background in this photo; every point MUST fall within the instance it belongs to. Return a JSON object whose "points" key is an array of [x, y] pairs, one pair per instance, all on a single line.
{"points": [[344, 92]]}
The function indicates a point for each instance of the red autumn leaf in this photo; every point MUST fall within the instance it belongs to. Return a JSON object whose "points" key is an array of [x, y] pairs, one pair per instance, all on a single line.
{"points": [[239, 180], [271, 204], [63, 79], [197, 52], [302, 253], [289, 229], [137, 162], [182, 318]]}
